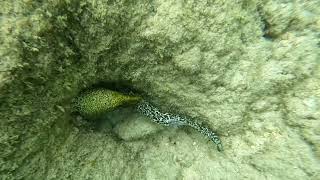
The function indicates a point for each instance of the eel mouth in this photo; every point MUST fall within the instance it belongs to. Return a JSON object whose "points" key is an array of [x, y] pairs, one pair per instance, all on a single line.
{"points": [[92, 121]]}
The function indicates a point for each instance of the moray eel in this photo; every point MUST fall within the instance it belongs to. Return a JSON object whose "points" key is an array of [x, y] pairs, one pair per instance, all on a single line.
{"points": [[168, 119], [95, 103]]}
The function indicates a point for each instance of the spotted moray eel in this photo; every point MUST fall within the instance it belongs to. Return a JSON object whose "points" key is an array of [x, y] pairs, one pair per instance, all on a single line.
{"points": [[168, 119]]}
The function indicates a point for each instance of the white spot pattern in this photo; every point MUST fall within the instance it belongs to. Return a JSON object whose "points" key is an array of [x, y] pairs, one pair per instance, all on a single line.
{"points": [[168, 119]]}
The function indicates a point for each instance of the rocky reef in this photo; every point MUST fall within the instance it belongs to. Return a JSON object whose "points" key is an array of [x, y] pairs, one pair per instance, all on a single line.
{"points": [[248, 69]]}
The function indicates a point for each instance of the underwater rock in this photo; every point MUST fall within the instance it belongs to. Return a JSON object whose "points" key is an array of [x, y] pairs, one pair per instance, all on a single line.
{"points": [[250, 69]]}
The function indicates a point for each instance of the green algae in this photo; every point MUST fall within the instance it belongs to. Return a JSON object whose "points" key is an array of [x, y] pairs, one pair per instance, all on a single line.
{"points": [[207, 59]]}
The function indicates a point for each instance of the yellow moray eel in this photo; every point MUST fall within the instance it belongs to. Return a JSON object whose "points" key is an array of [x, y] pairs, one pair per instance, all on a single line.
{"points": [[97, 102], [94, 103]]}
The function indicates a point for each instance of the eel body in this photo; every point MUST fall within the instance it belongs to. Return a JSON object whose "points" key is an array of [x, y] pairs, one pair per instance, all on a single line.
{"points": [[95, 103], [168, 119]]}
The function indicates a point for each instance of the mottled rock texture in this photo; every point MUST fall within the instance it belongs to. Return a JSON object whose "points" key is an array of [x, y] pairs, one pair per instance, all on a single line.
{"points": [[249, 69]]}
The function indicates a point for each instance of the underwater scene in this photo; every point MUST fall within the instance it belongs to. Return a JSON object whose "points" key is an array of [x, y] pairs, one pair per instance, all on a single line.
{"points": [[160, 90]]}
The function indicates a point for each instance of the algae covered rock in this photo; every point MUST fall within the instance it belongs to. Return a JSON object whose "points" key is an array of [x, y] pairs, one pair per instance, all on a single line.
{"points": [[248, 69]]}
